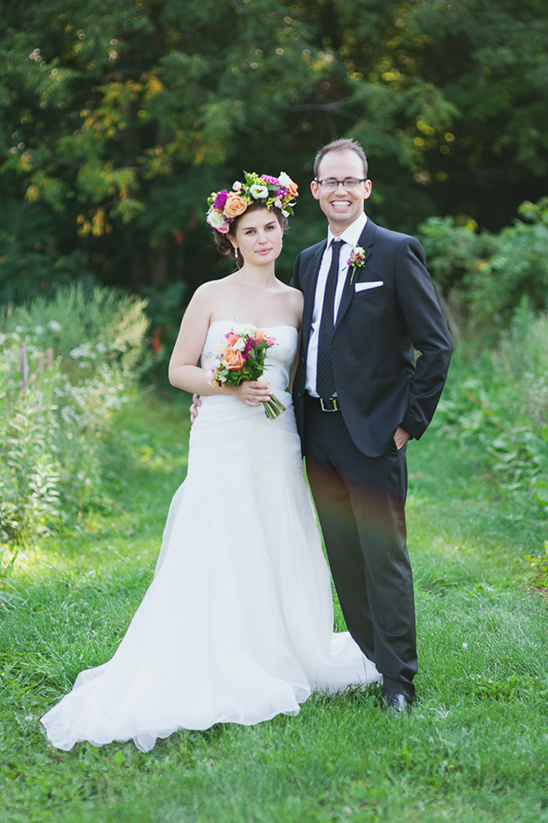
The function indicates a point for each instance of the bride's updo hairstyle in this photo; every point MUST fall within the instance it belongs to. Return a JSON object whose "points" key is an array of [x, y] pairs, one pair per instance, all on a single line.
{"points": [[277, 194]]}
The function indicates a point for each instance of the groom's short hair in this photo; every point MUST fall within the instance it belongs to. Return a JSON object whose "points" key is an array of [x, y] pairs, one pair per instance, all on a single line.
{"points": [[343, 144]]}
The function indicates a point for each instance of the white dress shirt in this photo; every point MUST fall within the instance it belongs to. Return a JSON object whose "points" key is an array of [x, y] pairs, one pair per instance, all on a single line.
{"points": [[350, 238]]}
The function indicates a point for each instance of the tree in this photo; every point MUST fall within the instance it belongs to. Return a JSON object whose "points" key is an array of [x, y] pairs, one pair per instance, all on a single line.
{"points": [[118, 119], [116, 116]]}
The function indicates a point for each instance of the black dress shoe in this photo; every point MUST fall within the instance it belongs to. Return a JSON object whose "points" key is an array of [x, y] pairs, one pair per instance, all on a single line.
{"points": [[398, 703]]}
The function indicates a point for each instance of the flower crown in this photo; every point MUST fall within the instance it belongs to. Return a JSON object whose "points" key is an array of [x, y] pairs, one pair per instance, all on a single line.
{"points": [[272, 192]]}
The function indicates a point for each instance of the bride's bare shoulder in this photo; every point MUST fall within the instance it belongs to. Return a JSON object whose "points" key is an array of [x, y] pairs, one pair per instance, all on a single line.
{"points": [[212, 286], [294, 296], [211, 290]]}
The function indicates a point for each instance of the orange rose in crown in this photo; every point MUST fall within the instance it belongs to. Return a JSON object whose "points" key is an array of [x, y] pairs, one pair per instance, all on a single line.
{"points": [[234, 205]]}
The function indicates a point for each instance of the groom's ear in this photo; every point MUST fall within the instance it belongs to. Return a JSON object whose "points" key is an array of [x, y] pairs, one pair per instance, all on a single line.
{"points": [[314, 190]]}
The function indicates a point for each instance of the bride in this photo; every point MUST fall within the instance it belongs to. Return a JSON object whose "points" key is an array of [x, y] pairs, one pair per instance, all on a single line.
{"points": [[237, 625]]}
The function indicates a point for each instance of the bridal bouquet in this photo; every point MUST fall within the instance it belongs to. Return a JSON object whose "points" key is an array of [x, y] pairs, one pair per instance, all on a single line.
{"points": [[241, 356]]}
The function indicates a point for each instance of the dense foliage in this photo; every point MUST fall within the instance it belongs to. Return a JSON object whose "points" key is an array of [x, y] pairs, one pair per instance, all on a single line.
{"points": [[117, 120]]}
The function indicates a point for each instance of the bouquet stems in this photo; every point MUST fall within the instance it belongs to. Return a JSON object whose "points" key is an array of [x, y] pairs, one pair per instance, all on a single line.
{"points": [[273, 407]]}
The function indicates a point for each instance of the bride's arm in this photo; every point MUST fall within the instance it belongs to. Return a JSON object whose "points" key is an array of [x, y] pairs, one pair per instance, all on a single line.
{"points": [[184, 372]]}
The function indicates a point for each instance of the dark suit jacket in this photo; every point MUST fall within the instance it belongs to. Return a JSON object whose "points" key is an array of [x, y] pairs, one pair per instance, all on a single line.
{"points": [[379, 385]]}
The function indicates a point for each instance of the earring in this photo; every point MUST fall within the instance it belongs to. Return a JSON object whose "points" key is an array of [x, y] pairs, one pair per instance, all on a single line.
{"points": [[235, 251]]}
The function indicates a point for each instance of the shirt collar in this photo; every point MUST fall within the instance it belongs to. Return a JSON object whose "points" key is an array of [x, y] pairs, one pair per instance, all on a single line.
{"points": [[351, 234]]}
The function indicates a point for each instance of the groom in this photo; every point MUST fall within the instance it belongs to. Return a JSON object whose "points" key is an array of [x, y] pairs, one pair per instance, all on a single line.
{"points": [[359, 396]]}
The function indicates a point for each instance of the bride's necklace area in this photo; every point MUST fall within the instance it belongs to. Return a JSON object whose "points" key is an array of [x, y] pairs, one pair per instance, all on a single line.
{"points": [[258, 300]]}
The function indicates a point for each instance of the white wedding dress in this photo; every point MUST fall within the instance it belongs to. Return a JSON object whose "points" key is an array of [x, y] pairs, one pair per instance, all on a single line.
{"points": [[237, 625]]}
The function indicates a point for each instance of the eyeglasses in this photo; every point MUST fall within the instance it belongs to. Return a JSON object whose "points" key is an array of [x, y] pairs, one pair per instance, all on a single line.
{"points": [[349, 183]]}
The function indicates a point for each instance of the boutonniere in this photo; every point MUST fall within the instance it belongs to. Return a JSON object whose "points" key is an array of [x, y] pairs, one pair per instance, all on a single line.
{"points": [[356, 260]]}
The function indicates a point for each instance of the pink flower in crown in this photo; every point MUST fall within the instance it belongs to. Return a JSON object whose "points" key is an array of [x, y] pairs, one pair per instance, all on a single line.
{"points": [[220, 200], [237, 186], [269, 179]]}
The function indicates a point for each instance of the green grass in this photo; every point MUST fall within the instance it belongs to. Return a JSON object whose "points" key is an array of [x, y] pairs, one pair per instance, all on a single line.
{"points": [[474, 749]]}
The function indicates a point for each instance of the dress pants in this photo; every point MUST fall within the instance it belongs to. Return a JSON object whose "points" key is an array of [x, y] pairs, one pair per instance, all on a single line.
{"points": [[360, 502]]}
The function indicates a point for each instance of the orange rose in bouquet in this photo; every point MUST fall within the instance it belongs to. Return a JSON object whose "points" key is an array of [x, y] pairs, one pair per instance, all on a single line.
{"points": [[233, 360]]}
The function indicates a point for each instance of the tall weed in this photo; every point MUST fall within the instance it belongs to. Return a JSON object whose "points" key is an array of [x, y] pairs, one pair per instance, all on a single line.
{"points": [[67, 365], [85, 327]]}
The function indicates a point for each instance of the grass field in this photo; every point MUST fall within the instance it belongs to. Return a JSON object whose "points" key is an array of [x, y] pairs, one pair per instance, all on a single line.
{"points": [[474, 749]]}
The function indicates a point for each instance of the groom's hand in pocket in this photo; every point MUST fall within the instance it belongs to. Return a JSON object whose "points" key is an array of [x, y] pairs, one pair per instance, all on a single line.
{"points": [[401, 437]]}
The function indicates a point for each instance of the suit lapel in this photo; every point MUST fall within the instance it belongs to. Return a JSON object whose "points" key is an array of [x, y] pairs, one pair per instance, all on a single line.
{"points": [[367, 241]]}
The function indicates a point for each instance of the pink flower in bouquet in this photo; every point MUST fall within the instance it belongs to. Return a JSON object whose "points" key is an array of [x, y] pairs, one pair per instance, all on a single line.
{"points": [[212, 377]]}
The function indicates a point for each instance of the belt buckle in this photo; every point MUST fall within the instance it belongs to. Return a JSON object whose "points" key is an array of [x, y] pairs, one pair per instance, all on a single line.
{"points": [[334, 403]]}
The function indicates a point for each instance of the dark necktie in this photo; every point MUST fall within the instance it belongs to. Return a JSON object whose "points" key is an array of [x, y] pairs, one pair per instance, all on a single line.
{"points": [[325, 382]]}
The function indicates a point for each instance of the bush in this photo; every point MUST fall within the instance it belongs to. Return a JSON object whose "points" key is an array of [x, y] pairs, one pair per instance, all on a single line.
{"points": [[517, 268], [499, 399], [483, 276], [67, 366]]}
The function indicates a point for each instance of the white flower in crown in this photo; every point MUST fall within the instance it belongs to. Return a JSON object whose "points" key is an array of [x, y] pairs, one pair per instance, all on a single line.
{"points": [[257, 191], [216, 219]]}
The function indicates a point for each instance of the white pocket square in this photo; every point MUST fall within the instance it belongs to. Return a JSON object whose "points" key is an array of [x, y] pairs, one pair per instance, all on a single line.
{"points": [[373, 284]]}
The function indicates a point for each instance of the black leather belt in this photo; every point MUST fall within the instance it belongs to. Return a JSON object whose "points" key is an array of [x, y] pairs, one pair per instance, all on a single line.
{"points": [[330, 405]]}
